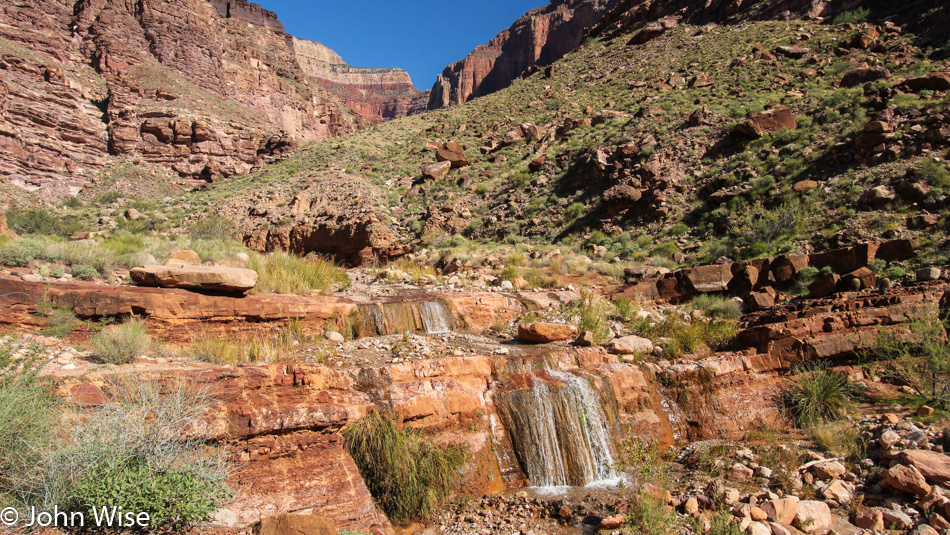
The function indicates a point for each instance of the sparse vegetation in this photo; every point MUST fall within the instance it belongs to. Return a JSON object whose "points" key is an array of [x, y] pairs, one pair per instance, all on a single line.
{"points": [[120, 344], [286, 273], [650, 516]]}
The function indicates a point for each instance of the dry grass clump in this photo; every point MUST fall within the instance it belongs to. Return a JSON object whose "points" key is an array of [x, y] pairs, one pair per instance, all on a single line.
{"points": [[120, 344], [286, 273]]}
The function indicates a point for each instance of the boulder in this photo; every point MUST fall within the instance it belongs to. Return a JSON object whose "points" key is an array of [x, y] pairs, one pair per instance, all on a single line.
{"points": [[543, 333], [934, 466], [838, 491], [795, 52], [863, 74], [824, 286], [804, 185], [879, 196], [782, 510], [209, 278], [612, 522], [767, 122], [186, 257], [295, 524], [928, 274], [711, 278], [907, 479], [931, 82], [629, 345], [454, 153], [829, 470], [437, 171], [870, 518], [585, 339], [813, 516], [895, 250], [864, 276]]}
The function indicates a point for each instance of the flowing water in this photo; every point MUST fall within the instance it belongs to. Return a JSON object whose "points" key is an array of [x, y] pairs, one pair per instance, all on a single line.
{"points": [[559, 430], [429, 317]]}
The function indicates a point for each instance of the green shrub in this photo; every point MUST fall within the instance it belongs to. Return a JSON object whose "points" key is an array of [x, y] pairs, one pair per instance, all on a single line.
{"points": [[137, 453], [40, 221], [213, 227], [29, 416], [590, 314], [124, 243], [408, 476], [841, 439], [286, 273], [679, 229], [817, 397], [60, 322], [625, 308], [19, 253], [717, 307], [722, 523], [922, 360], [650, 516], [574, 211], [894, 273], [856, 16], [84, 272], [120, 344]]}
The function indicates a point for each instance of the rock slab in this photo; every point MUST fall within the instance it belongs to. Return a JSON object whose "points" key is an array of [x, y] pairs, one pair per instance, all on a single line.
{"points": [[209, 278]]}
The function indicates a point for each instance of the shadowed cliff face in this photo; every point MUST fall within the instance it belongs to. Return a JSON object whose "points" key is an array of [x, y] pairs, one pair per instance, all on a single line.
{"points": [[540, 37]]}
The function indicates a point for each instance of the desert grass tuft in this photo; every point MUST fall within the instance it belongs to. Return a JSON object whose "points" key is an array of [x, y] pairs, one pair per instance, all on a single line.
{"points": [[120, 344], [286, 273], [409, 476], [818, 397]]}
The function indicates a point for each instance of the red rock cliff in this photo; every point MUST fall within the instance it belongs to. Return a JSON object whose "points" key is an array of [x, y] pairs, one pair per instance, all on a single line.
{"points": [[375, 94], [206, 88], [540, 37]]}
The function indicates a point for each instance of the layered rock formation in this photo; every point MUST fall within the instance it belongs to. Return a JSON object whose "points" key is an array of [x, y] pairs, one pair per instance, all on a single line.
{"points": [[375, 94], [207, 89], [540, 37]]}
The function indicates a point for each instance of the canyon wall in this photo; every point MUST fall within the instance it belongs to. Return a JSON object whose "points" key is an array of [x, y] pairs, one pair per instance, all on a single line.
{"points": [[175, 83], [540, 37], [375, 94]]}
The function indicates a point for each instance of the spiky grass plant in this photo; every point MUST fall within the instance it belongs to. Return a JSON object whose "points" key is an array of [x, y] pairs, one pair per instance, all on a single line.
{"points": [[407, 475], [817, 397]]}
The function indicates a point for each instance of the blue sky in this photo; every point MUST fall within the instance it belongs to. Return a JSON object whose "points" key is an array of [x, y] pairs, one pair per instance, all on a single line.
{"points": [[420, 36]]}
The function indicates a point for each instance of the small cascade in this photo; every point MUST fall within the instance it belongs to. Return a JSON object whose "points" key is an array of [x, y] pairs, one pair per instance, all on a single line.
{"points": [[559, 430], [429, 317]]}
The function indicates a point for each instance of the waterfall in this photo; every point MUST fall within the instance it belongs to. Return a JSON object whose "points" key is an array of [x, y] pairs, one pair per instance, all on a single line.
{"points": [[430, 317], [559, 430]]}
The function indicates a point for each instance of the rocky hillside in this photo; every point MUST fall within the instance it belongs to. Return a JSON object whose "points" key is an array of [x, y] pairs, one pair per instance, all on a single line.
{"points": [[203, 89], [539, 38], [668, 143]]}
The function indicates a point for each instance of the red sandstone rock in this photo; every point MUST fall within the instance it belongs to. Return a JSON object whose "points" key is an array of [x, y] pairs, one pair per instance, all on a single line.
{"points": [[4, 230], [437, 171], [454, 153], [540, 37], [212, 278], [934, 466], [543, 333], [907, 479], [767, 122], [298, 524]]}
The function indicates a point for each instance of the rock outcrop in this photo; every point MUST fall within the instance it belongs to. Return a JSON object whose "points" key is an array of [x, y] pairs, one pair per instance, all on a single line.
{"points": [[539, 38], [375, 94], [192, 277]]}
